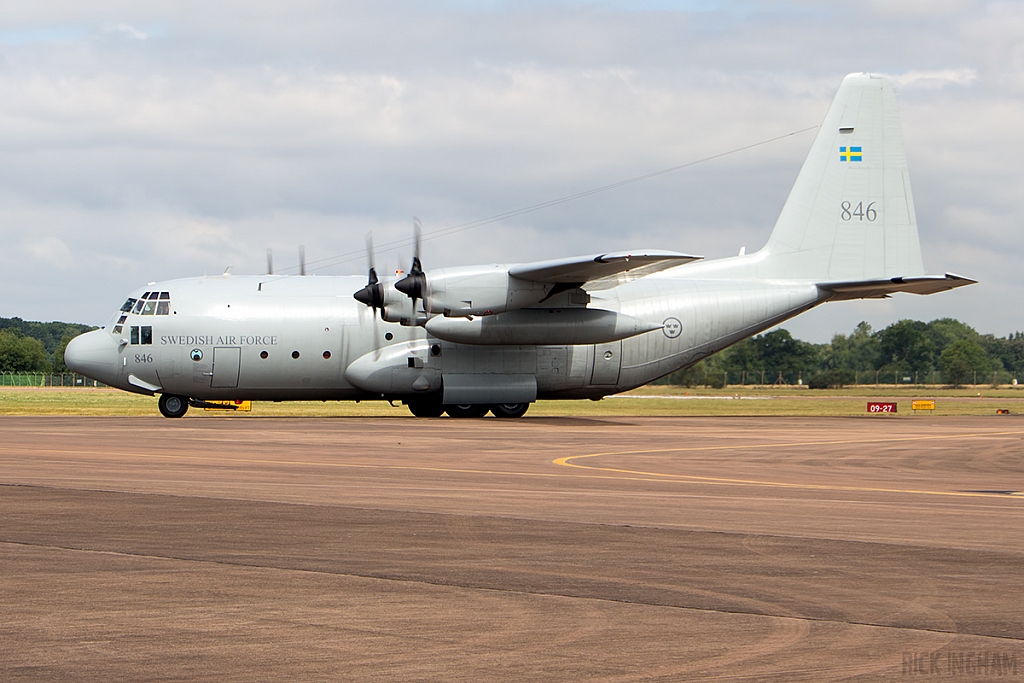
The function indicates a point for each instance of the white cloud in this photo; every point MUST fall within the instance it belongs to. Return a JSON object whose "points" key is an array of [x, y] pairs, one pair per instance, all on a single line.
{"points": [[126, 30], [51, 251], [921, 8], [313, 123], [934, 79]]}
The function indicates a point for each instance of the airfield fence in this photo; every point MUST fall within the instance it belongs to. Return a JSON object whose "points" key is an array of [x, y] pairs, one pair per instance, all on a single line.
{"points": [[46, 379], [865, 378]]}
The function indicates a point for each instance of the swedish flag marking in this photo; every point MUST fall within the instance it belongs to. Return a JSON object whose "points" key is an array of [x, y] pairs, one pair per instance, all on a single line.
{"points": [[854, 154]]}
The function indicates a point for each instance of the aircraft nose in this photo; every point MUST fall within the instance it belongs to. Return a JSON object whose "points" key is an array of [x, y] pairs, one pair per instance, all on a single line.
{"points": [[93, 354]]}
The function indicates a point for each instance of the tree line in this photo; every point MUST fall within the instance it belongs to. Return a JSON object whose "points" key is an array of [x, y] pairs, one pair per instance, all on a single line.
{"points": [[28, 346], [943, 351]]}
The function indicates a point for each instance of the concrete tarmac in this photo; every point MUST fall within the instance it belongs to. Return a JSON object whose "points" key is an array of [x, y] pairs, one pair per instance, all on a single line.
{"points": [[626, 549]]}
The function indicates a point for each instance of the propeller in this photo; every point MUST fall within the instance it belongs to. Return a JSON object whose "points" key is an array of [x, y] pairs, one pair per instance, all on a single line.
{"points": [[414, 285], [302, 260], [270, 262], [372, 294]]}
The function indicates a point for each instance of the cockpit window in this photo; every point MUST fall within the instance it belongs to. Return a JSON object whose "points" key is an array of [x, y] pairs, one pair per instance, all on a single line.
{"points": [[150, 303], [145, 338]]}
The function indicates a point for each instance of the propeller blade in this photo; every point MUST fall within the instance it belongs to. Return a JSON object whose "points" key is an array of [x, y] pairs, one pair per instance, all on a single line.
{"points": [[376, 335], [414, 285], [369, 257], [372, 294], [270, 262], [302, 260], [417, 232]]}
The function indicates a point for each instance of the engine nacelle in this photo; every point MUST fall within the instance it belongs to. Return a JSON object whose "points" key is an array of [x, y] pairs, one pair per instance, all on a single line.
{"points": [[554, 326], [479, 290], [398, 308]]}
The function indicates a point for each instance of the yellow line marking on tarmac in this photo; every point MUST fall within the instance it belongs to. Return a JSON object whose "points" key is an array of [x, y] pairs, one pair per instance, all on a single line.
{"points": [[724, 481], [310, 463], [636, 475]]}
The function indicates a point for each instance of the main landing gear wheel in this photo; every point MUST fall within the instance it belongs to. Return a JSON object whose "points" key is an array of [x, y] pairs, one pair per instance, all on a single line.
{"points": [[425, 408], [466, 410], [173, 406], [510, 409]]}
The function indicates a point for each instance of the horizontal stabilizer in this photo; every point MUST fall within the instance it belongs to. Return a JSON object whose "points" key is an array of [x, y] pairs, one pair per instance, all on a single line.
{"points": [[621, 266], [880, 289]]}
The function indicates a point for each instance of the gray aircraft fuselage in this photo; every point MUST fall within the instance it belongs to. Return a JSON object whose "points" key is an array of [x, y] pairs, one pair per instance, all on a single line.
{"points": [[296, 338]]}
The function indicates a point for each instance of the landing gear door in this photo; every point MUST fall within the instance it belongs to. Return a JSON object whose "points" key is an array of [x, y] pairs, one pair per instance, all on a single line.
{"points": [[607, 360], [226, 361]]}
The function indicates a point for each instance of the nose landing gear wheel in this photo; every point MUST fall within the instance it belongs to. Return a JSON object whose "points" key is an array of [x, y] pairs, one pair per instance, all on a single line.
{"points": [[510, 409], [466, 410], [173, 406]]}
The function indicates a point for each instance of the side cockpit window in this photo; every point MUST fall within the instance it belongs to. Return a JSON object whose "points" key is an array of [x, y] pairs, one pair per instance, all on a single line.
{"points": [[128, 305], [141, 334]]}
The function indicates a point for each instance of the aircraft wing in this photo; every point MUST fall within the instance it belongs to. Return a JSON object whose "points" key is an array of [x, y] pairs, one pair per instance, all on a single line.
{"points": [[600, 269], [881, 289]]}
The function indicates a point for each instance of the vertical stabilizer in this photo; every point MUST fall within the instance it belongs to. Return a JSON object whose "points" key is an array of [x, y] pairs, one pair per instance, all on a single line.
{"points": [[850, 215]]}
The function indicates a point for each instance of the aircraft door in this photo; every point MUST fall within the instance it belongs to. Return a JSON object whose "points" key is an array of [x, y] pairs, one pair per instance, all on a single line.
{"points": [[607, 361], [226, 361]]}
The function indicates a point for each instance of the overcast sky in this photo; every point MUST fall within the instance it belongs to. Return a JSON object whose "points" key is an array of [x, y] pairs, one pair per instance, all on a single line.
{"points": [[148, 141]]}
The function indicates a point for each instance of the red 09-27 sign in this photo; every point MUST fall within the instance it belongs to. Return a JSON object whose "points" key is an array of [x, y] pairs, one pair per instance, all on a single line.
{"points": [[881, 407]]}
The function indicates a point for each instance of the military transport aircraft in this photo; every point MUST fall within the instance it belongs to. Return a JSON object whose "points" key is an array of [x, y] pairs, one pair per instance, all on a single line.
{"points": [[471, 340]]}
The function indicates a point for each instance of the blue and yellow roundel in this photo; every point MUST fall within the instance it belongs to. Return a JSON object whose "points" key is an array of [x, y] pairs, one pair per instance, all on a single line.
{"points": [[851, 154]]}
